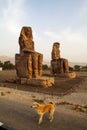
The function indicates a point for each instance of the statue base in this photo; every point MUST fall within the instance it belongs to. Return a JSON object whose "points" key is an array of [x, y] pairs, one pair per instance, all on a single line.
{"points": [[66, 75], [45, 82]]}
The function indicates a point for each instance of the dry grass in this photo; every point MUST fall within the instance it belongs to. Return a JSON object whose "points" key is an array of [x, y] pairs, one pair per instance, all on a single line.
{"points": [[79, 108], [8, 92], [39, 100], [2, 93], [76, 107], [64, 103]]}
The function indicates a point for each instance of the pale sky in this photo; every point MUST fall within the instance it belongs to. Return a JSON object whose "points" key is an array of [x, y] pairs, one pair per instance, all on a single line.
{"points": [[63, 21]]}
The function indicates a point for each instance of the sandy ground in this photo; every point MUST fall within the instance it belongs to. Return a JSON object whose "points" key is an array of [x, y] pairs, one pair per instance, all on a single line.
{"points": [[77, 97], [15, 110], [70, 107], [69, 90]]}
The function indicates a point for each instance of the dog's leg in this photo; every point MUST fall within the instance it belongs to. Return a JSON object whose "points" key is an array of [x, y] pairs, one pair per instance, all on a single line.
{"points": [[51, 115], [40, 119]]}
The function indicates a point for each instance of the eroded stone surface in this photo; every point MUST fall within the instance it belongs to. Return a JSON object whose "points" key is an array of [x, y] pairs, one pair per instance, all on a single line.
{"points": [[43, 81]]}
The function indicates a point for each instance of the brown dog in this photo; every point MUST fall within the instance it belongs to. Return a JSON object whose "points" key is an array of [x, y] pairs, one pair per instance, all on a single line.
{"points": [[42, 109]]}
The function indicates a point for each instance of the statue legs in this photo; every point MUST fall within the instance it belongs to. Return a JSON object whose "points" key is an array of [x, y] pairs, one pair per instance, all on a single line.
{"points": [[59, 66]]}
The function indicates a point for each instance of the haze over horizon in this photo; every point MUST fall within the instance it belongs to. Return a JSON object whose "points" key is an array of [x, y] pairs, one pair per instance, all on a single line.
{"points": [[51, 21]]}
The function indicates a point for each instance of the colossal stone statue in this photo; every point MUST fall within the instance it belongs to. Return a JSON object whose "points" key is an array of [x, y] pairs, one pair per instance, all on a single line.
{"points": [[28, 62], [59, 65]]}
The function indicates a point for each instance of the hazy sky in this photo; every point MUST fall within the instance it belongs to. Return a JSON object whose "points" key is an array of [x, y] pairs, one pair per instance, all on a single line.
{"points": [[63, 21]]}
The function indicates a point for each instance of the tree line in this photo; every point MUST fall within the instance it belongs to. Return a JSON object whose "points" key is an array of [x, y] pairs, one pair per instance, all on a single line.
{"points": [[80, 68], [7, 65], [74, 68]]}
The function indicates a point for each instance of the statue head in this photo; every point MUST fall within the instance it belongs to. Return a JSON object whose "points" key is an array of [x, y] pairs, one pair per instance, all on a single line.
{"points": [[26, 39], [56, 51], [56, 45], [27, 32]]}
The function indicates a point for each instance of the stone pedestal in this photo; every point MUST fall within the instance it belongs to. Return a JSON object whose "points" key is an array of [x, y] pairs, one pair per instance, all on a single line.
{"points": [[45, 82], [66, 75]]}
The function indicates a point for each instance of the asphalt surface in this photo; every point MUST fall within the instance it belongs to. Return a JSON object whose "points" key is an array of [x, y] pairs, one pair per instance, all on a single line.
{"points": [[23, 117]]}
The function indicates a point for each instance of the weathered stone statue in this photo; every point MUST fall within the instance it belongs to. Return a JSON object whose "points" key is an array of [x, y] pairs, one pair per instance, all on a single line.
{"points": [[59, 65], [28, 62]]}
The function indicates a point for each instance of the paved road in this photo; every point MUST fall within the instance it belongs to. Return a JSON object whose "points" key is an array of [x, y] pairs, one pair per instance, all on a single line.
{"points": [[24, 118]]}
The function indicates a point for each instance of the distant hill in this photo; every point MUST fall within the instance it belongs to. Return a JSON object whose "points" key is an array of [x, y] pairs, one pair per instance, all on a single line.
{"points": [[7, 58], [12, 60]]}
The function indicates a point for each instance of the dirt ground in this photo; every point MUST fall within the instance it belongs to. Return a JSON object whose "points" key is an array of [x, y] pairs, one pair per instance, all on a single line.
{"points": [[69, 95], [62, 86]]}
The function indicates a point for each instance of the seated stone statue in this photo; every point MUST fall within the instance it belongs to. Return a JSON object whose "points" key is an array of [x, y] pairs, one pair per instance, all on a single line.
{"points": [[28, 62], [58, 64]]}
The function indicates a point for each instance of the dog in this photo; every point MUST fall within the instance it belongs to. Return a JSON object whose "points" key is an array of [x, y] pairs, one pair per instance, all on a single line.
{"points": [[42, 109]]}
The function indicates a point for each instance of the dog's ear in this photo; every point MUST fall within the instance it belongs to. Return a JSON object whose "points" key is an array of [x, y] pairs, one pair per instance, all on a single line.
{"points": [[36, 104], [51, 102]]}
